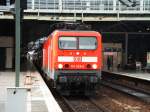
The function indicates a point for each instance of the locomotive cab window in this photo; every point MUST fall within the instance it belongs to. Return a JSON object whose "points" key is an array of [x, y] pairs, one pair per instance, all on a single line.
{"points": [[83, 43], [87, 43], [67, 43]]}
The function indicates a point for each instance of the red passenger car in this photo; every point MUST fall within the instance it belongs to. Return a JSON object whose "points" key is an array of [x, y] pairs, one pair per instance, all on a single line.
{"points": [[73, 59]]}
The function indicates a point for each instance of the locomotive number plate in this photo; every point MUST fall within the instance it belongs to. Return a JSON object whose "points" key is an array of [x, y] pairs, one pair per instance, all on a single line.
{"points": [[77, 66]]}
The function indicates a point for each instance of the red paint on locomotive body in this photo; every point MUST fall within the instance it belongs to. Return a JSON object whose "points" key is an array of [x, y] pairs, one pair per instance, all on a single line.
{"points": [[72, 52], [75, 58]]}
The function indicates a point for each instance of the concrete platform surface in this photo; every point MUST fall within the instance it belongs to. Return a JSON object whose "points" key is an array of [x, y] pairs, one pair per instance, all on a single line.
{"points": [[39, 98], [134, 74]]}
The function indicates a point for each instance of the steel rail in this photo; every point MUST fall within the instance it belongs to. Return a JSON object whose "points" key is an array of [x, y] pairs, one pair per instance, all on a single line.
{"points": [[78, 105], [142, 95]]}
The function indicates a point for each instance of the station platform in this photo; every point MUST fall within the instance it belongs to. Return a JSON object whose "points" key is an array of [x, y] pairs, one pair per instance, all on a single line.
{"points": [[39, 97], [133, 74]]}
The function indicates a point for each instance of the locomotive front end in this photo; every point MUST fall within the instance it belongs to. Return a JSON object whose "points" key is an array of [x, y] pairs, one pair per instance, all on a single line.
{"points": [[79, 60]]}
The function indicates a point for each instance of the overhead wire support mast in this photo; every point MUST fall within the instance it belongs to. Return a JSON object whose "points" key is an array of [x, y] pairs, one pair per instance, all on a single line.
{"points": [[17, 41], [20, 5]]}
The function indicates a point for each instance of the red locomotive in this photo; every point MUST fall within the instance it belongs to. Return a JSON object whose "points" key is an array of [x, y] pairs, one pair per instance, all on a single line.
{"points": [[73, 60]]}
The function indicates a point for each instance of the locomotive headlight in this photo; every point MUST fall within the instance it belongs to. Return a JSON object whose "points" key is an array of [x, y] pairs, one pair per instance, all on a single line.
{"points": [[60, 66], [94, 66]]}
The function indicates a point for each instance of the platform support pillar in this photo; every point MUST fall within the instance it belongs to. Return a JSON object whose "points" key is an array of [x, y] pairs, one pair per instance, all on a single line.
{"points": [[33, 4], [126, 48], [114, 5], [8, 2], [141, 5], [17, 41]]}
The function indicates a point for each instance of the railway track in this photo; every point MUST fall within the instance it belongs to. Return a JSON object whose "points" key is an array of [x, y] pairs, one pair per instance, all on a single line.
{"points": [[75, 103], [78, 104], [83, 104], [142, 95]]}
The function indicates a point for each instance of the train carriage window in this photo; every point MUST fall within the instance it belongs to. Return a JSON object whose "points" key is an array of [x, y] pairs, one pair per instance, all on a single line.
{"points": [[87, 43], [68, 43]]}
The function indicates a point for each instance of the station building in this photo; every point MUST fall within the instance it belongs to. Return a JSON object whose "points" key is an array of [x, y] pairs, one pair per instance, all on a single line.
{"points": [[124, 25]]}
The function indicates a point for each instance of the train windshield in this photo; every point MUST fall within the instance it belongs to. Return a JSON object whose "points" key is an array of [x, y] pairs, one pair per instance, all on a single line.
{"points": [[87, 43], [83, 43], [67, 43]]}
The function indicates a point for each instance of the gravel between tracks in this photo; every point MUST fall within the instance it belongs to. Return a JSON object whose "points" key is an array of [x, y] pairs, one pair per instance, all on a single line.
{"points": [[119, 102]]}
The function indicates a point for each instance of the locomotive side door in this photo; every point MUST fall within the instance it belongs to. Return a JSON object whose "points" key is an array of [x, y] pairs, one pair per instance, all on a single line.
{"points": [[49, 56]]}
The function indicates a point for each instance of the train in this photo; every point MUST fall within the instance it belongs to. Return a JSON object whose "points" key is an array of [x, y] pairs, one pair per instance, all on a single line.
{"points": [[72, 60]]}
